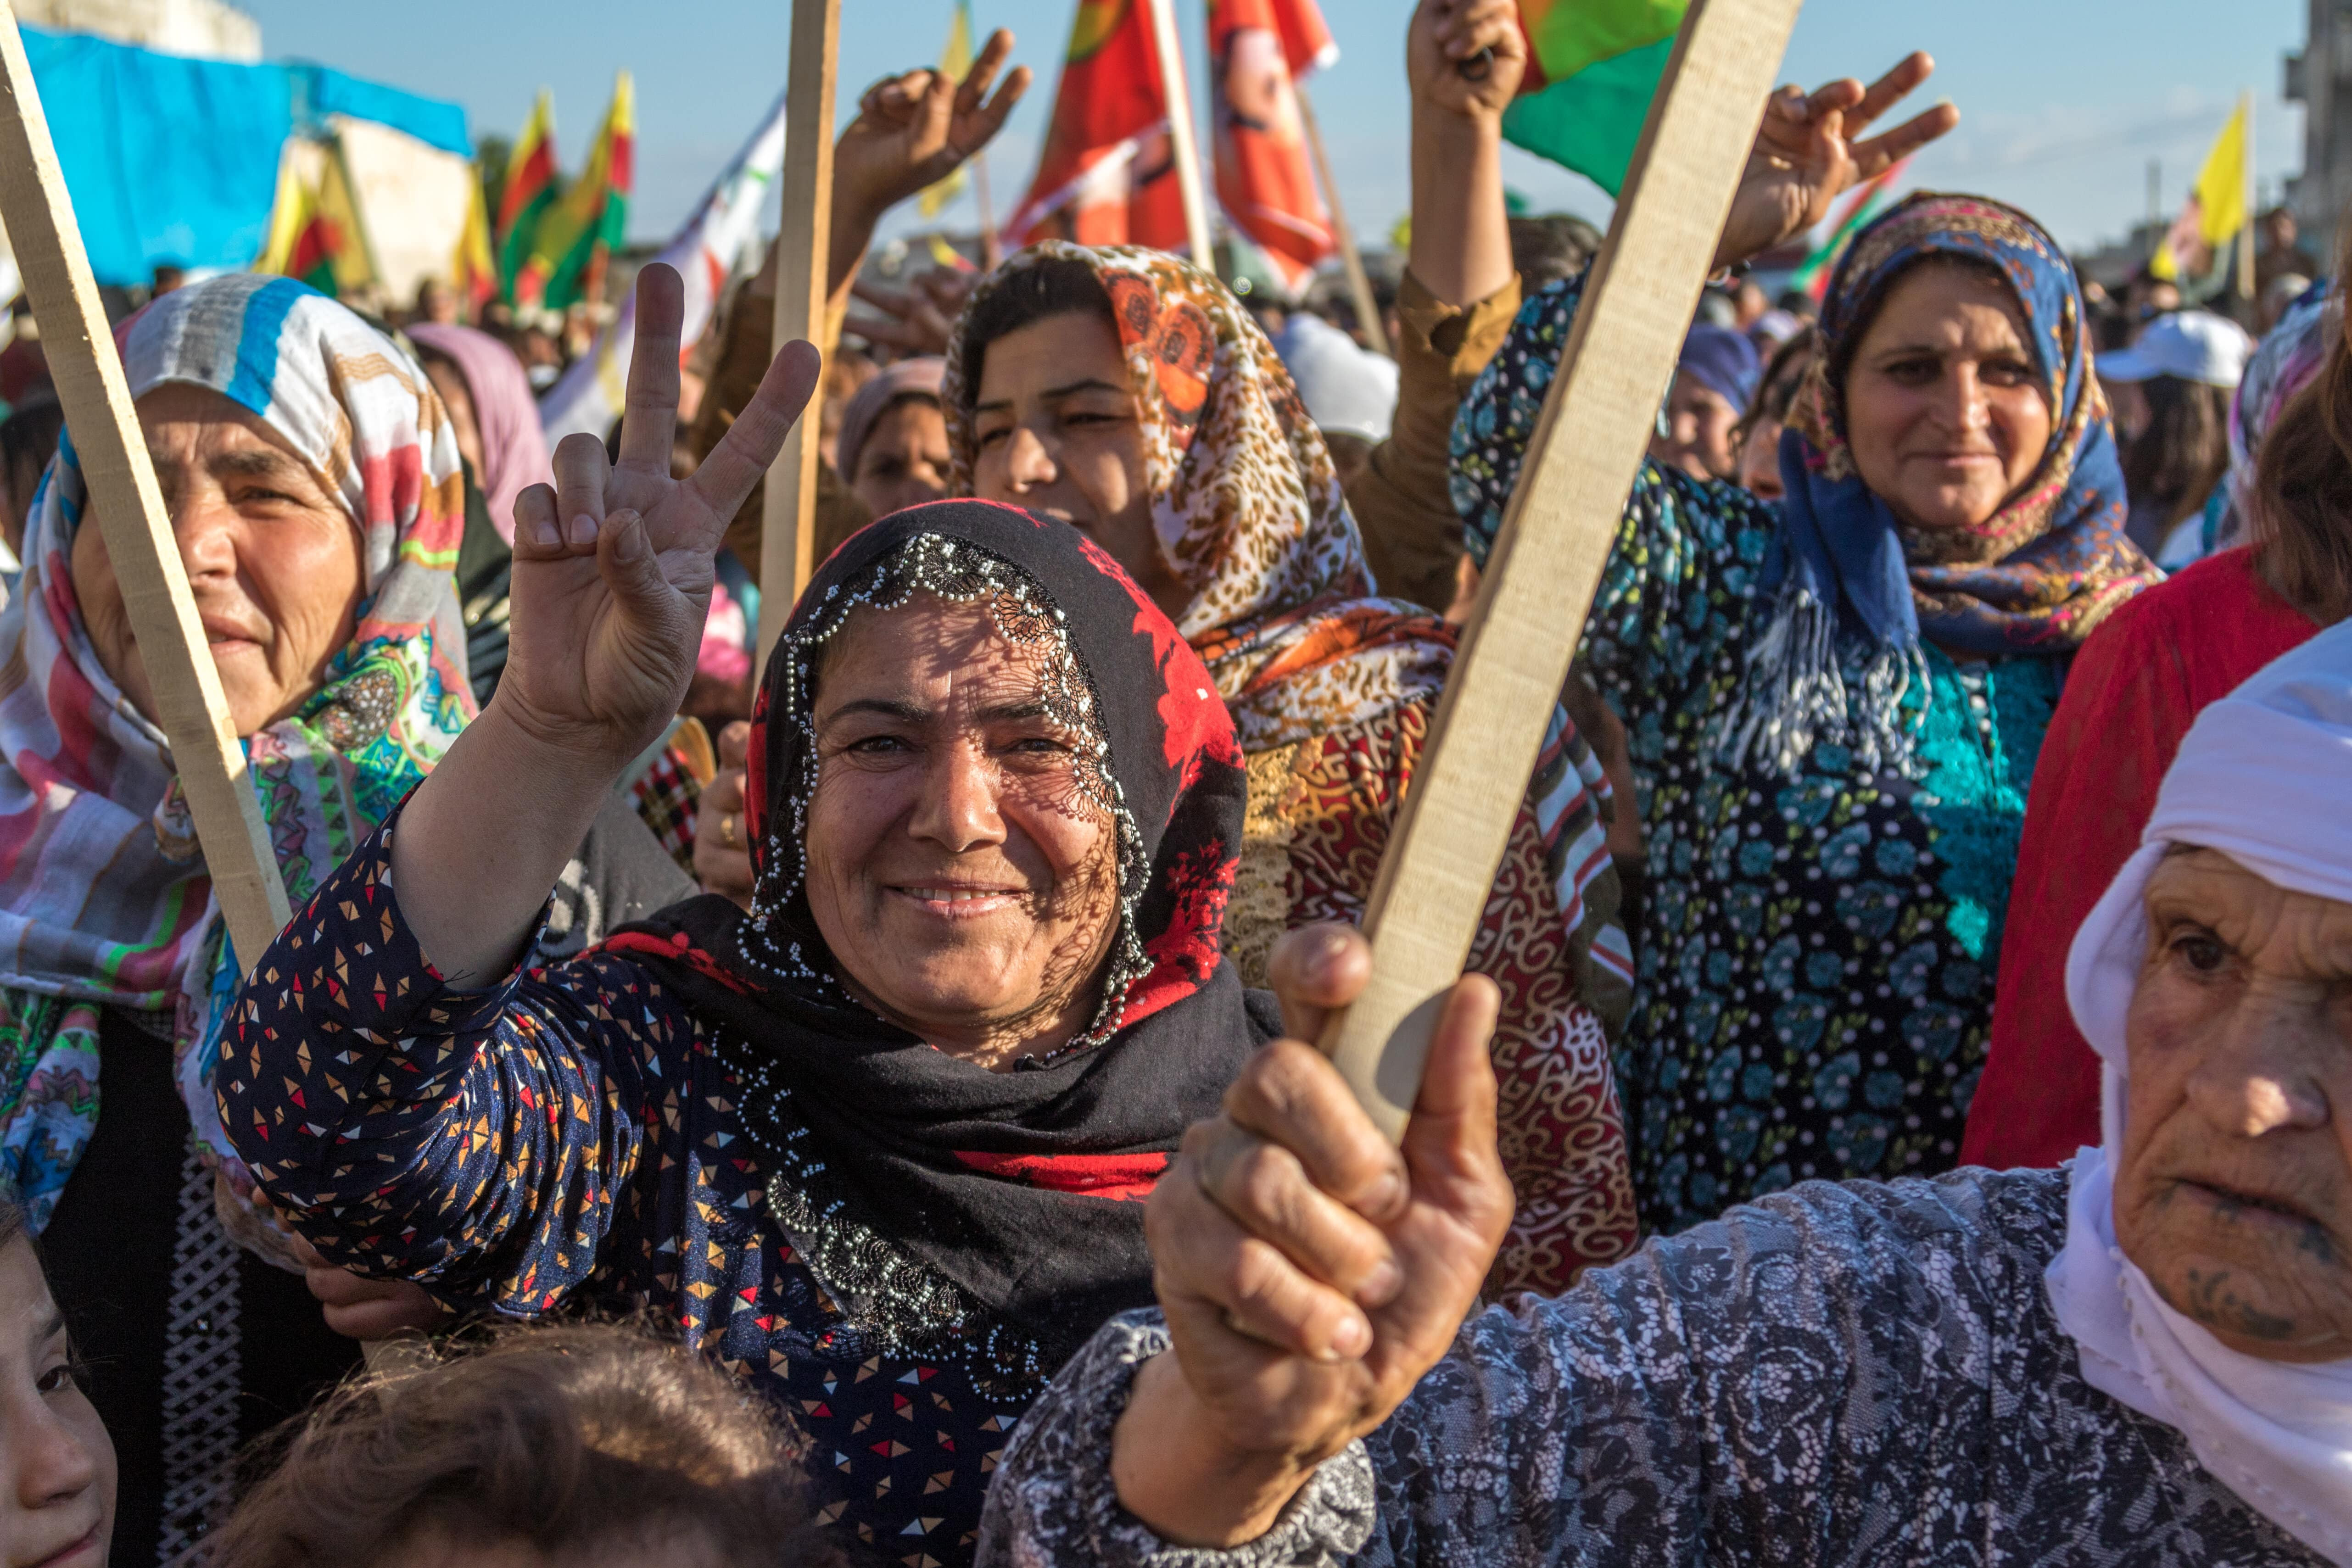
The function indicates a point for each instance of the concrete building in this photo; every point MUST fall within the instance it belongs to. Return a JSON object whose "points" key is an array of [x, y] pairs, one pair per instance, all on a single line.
{"points": [[208, 29], [2320, 78]]}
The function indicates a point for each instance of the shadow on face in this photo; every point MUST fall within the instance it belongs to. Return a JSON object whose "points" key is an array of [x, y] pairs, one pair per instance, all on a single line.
{"points": [[958, 868], [58, 1507], [903, 460], [1699, 422], [2234, 1192], [1945, 408], [272, 557]]}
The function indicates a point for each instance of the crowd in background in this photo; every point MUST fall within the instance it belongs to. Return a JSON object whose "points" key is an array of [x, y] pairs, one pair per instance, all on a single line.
{"points": [[727, 1196]]}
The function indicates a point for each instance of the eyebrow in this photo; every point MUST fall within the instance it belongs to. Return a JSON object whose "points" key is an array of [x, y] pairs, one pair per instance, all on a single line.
{"points": [[1054, 394], [913, 713], [252, 462]]}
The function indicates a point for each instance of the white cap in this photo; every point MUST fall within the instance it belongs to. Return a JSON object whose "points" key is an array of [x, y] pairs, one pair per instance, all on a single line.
{"points": [[1344, 387], [2191, 345]]}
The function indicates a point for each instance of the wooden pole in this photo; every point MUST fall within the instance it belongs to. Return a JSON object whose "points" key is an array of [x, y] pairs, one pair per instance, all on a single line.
{"points": [[1555, 540], [2246, 235], [788, 524], [1368, 310], [96, 398], [1182, 145], [991, 243]]}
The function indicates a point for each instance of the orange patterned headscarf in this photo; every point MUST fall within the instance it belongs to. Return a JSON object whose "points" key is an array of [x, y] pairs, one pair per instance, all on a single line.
{"points": [[1245, 505]]}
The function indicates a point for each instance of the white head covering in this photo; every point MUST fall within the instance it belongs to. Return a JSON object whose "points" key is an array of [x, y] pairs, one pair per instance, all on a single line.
{"points": [[1344, 387], [2264, 776]]}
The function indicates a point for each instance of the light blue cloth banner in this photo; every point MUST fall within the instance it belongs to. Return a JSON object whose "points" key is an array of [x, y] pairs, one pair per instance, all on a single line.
{"points": [[171, 160]]}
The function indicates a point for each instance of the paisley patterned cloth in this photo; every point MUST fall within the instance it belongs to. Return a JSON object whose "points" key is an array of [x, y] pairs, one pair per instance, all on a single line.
{"points": [[1859, 1376], [1331, 691], [104, 898], [1816, 960]]}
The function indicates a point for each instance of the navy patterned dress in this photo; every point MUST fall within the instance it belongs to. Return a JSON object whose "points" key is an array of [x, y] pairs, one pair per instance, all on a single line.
{"points": [[568, 1138], [1858, 1376], [1815, 981]]}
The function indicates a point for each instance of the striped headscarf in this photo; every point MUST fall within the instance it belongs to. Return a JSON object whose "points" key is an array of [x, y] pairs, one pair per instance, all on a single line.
{"points": [[103, 895]]}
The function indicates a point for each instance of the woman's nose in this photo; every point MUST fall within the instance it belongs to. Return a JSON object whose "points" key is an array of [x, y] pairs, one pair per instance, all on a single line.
{"points": [[1965, 403], [2266, 1076], [52, 1464], [1029, 463], [957, 811], [205, 527]]}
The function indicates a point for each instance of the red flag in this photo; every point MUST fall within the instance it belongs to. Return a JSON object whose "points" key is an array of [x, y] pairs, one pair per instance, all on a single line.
{"points": [[1108, 174], [1264, 181]]}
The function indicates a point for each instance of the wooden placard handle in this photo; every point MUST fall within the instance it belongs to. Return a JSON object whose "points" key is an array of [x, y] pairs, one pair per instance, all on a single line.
{"points": [[130, 515], [1555, 538], [788, 521]]}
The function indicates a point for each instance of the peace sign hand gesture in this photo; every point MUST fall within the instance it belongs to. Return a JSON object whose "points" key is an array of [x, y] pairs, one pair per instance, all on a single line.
{"points": [[612, 565], [1807, 153]]}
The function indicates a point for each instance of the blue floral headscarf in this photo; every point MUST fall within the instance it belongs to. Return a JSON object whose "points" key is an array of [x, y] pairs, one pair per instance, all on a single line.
{"points": [[2035, 578]]}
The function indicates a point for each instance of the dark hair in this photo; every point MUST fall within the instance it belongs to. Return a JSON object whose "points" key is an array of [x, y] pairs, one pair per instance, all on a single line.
{"points": [[1549, 248], [2175, 462], [565, 1440], [1776, 393], [1059, 287], [30, 434], [2302, 511]]}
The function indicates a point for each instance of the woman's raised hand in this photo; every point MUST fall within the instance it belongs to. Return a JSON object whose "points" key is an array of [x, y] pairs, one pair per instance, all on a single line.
{"points": [[612, 565], [1310, 1271], [1807, 153], [917, 128]]}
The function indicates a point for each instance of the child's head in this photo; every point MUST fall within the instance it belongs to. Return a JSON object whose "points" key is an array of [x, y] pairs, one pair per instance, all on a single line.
{"points": [[548, 1448], [59, 1509]]}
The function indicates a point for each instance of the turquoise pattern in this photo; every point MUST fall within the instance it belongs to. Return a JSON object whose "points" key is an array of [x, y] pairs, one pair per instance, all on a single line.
{"points": [[1816, 961]]}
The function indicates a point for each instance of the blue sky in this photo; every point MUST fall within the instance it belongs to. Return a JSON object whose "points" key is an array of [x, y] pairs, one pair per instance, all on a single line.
{"points": [[2064, 102]]}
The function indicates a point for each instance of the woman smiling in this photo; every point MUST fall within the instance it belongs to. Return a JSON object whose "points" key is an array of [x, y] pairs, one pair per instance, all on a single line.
{"points": [[1835, 700], [872, 1142]]}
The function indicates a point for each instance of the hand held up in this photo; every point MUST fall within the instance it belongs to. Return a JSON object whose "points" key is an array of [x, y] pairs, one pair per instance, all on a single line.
{"points": [[1310, 1272]]}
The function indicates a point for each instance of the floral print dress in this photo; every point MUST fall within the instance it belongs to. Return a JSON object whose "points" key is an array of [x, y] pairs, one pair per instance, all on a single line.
{"points": [[1814, 975]]}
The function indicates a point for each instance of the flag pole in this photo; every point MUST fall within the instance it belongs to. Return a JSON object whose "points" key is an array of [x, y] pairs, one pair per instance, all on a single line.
{"points": [[2246, 234], [1368, 310], [991, 246], [788, 519], [1439, 870], [1182, 145]]}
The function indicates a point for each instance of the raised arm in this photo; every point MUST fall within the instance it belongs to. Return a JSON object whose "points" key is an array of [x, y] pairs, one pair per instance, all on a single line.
{"points": [[612, 579], [1461, 248]]}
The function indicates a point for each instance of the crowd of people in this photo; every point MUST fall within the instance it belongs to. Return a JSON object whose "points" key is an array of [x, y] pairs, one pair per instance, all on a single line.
{"points": [[854, 1108]]}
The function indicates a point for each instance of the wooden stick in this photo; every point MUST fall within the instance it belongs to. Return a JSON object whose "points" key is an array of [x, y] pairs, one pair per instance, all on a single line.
{"points": [[96, 397], [1555, 538], [991, 245], [2246, 234], [1182, 145], [1368, 310], [788, 524]]}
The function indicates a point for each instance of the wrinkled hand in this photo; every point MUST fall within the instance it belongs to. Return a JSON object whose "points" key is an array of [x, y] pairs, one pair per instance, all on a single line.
{"points": [[612, 565], [918, 318], [359, 1307], [915, 129], [1806, 154], [1310, 1272], [723, 847], [1444, 34]]}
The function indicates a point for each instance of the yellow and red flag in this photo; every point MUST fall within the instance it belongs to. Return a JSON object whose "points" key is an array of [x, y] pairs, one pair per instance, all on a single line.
{"points": [[564, 262], [1108, 174], [1257, 49], [473, 269], [314, 225], [528, 192]]}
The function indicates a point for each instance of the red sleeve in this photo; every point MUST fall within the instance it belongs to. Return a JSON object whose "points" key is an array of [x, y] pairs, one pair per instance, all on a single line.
{"points": [[2125, 706]]}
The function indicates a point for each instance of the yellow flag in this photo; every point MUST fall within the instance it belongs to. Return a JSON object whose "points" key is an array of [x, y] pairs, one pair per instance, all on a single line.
{"points": [[2219, 206], [956, 61]]}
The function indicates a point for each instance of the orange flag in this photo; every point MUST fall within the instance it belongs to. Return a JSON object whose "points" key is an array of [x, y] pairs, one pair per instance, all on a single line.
{"points": [[1108, 174], [1264, 182]]}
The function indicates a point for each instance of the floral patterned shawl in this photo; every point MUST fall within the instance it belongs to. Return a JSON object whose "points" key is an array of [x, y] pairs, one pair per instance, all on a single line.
{"points": [[103, 896]]}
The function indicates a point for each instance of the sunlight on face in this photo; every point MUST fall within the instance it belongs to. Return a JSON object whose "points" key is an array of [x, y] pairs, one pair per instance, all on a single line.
{"points": [[963, 879], [904, 460], [1699, 421], [272, 559], [2234, 1192], [1060, 434], [1944, 408]]}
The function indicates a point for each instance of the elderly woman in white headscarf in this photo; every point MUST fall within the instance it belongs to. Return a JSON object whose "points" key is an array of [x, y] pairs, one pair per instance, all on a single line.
{"points": [[2145, 1359]]}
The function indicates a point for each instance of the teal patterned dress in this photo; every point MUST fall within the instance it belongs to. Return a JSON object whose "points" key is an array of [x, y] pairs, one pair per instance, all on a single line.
{"points": [[1815, 962]]}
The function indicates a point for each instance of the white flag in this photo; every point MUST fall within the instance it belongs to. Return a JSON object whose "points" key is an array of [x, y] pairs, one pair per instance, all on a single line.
{"points": [[591, 393]]}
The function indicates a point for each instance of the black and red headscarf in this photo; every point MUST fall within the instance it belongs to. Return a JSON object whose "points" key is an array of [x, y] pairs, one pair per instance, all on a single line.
{"points": [[945, 1206]]}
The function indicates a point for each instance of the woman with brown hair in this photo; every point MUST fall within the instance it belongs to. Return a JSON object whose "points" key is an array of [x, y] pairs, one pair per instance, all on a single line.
{"points": [[2171, 391], [2136, 687]]}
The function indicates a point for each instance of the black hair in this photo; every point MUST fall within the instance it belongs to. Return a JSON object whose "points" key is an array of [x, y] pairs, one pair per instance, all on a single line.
{"points": [[30, 434], [1549, 248], [1058, 287]]}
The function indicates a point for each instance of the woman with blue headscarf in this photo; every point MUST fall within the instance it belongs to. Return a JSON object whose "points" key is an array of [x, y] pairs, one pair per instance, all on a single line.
{"points": [[1836, 701]]}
